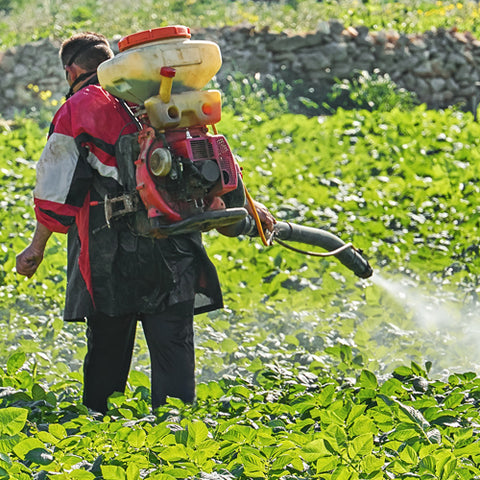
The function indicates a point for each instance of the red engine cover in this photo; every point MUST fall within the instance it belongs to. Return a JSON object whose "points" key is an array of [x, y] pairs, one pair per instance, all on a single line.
{"points": [[211, 147], [195, 145]]}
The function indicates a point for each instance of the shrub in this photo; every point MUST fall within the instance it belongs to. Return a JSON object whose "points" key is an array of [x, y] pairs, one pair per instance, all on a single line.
{"points": [[371, 91], [249, 95]]}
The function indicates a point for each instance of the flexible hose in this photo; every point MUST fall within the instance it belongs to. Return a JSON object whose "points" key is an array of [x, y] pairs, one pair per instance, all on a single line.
{"points": [[331, 253]]}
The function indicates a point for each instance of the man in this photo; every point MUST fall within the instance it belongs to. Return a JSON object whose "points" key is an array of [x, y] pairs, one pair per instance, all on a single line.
{"points": [[114, 277]]}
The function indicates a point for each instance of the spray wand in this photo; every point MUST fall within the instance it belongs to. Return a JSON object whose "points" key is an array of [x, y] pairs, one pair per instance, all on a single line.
{"points": [[350, 256]]}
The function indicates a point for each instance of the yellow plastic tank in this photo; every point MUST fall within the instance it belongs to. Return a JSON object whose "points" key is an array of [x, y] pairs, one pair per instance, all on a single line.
{"points": [[185, 109], [134, 73]]}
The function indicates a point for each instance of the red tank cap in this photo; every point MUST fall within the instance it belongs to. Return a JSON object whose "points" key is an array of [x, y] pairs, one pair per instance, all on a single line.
{"points": [[168, 72], [153, 35]]}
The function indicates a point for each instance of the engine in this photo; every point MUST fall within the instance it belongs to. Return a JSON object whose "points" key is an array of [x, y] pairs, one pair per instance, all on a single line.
{"points": [[182, 173]]}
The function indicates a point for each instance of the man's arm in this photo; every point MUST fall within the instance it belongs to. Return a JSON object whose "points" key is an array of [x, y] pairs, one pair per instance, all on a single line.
{"points": [[29, 260]]}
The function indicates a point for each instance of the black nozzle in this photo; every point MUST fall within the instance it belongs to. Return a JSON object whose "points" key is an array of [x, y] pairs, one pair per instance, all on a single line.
{"points": [[349, 256]]}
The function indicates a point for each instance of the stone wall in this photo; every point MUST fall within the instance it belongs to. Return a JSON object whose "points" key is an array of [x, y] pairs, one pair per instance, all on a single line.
{"points": [[441, 67]]}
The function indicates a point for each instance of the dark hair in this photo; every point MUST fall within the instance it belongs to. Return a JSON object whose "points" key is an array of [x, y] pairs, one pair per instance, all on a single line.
{"points": [[87, 49]]}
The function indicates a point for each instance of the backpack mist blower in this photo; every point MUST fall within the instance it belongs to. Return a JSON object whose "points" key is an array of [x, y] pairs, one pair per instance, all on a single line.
{"points": [[178, 173]]}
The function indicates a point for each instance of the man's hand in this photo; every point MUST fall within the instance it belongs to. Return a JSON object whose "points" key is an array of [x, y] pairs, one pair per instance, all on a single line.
{"points": [[267, 219], [29, 260]]}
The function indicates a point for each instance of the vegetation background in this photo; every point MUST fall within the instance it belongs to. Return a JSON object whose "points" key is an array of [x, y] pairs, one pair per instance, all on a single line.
{"points": [[24, 20], [308, 372]]}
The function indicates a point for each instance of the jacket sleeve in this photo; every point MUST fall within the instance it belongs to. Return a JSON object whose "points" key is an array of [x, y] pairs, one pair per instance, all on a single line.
{"points": [[63, 176]]}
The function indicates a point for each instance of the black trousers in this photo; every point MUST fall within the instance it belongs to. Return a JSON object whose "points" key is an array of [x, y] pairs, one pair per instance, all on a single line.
{"points": [[110, 342]]}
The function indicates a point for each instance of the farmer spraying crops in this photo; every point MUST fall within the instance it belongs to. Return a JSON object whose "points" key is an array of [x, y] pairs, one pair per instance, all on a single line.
{"points": [[115, 277]]}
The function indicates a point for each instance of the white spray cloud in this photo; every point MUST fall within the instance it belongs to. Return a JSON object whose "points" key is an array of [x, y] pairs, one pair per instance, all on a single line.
{"points": [[441, 318]]}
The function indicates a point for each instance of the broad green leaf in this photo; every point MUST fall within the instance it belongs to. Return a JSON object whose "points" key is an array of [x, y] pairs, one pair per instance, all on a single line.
{"points": [[367, 380], [15, 361], [285, 459], [28, 445], [69, 460], [355, 412], [326, 464], [360, 446], [462, 434], [252, 462], [404, 432], [414, 415], [69, 443], [339, 435], [449, 468], [241, 391], [297, 464], [47, 437], [8, 442], [210, 390], [38, 393], [57, 430], [39, 456], [240, 434], [326, 396], [181, 436], [12, 420], [174, 453], [113, 472], [363, 425], [408, 455], [342, 473], [157, 434], [205, 451], [454, 400], [428, 464], [372, 463], [391, 387], [133, 472], [139, 379], [228, 345], [417, 370], [365, 394], [330, 416], [314, 450], [136, 438], [80, 474], [5, 460], [471, 449], [197, 433], [403, 371], [175, 402], [172, 474]]}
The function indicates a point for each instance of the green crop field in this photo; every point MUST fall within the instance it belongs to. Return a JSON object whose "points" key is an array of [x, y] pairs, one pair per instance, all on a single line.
{"points": [[308, 372]]}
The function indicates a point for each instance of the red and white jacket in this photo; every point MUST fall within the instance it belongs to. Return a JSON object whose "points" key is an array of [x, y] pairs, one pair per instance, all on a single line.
{"points": [[82, 138], [110, 270]]}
